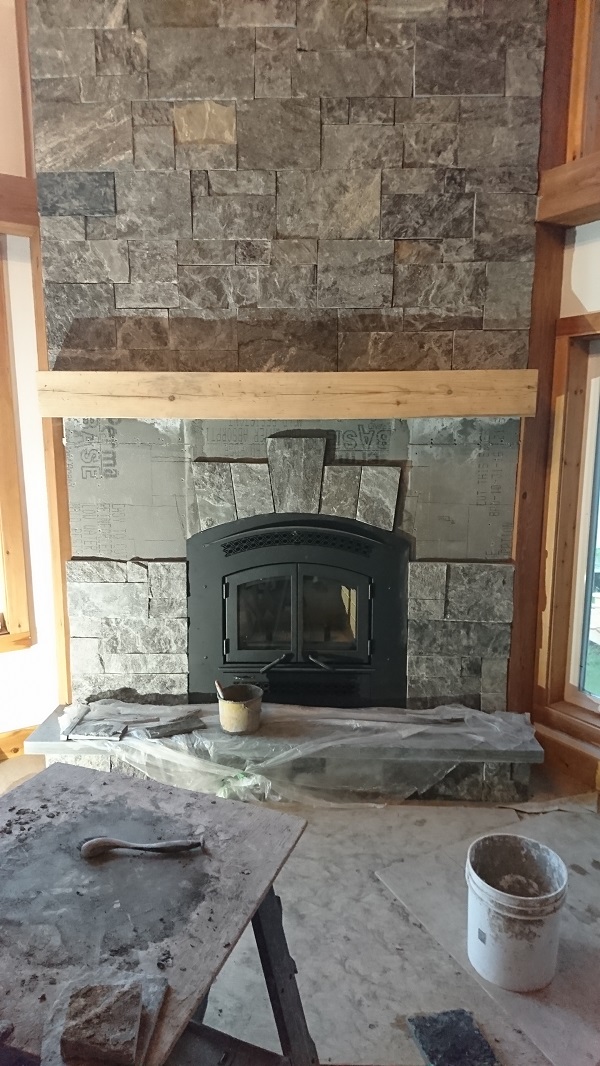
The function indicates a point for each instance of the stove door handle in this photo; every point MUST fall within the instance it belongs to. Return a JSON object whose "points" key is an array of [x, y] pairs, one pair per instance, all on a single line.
{"points": [[318, 662], [287, 655]]}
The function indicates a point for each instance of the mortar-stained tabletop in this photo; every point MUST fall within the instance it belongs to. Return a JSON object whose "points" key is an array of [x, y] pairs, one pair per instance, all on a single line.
{"points": [[127, 913]]}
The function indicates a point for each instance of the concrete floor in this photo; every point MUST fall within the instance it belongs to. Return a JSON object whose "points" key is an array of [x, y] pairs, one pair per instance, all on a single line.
{"points": [[365, 962]]}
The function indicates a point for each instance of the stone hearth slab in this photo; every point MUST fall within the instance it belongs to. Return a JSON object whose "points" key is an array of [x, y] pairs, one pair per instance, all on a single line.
{"points": [[453, 753]]}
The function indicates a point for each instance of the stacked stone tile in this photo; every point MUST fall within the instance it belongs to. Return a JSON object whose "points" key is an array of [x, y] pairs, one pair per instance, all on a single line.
{"points": [[128, 623], [459, 623], [282, 185]]}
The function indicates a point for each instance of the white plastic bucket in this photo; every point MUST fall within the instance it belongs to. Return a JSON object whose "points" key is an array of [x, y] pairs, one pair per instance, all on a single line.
{"points": [[240, 711], [517, 887]]}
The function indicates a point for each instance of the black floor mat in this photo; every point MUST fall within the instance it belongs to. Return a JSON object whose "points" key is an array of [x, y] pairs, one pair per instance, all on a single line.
{"points": [[451, 1038]]}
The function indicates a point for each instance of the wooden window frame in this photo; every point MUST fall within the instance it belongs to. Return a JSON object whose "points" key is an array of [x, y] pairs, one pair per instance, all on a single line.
{"points": [[15, 625], [556, 707]]}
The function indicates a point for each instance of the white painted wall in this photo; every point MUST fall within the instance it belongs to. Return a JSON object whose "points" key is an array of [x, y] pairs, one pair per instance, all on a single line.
{"points": [[29, 677], [581, 273]]}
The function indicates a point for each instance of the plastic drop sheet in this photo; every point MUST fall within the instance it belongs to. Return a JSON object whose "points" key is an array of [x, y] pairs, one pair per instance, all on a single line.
{"points": [[304, 754]]}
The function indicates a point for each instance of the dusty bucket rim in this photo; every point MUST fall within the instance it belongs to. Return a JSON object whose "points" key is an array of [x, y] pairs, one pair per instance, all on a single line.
{"points": [[512, 899]]}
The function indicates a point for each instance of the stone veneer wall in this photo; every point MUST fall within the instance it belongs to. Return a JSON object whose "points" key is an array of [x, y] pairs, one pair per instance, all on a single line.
{"points": [[129, 632], [287, 184]]}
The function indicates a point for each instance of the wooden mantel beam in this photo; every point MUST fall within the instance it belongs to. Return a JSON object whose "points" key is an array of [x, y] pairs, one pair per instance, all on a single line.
{"points": [[366, 394]]}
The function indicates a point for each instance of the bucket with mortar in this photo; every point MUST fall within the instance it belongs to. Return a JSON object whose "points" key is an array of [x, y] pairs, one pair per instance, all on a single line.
{"points": [[239, 708]]}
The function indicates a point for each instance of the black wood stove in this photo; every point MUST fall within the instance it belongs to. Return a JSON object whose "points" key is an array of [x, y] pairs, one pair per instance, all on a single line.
{"points": [[312, 607]]}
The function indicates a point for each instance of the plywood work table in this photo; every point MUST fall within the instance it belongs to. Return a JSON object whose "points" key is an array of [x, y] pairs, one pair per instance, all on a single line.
{"points": [[128, 913]]}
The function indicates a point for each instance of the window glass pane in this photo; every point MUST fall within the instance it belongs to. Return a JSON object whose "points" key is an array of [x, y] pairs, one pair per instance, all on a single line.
{"points": [[265, 614], [590, 645], [329, 613]]}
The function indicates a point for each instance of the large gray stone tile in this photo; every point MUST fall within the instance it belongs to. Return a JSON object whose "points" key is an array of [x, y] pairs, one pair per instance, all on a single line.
{"points": [[431, 144], [62, 228], [458, 57], [502, 349], [121, 51], [373, 109], [355, 273], [395, 351], [359, 145], [425, 216], [498, 132], [147, 294], [206, 253], [217, 287], [109, 14], [173, 13], [392, 23], [242, 182], [142, 688], [287, 339], [504, 226], [378, 495], [168, 590], [100, 137], [214, 493], [86, 261], [51, 90], [279, 134], [153, 204], [333, 203], [203, 334], [480, 592], [108, 599], [80, 570], [234, 217], [287, 286], [119, 635], [144, 663], [154, 148], [153, 261], [85, 656], [486, 639], [353, 72], [275, 51], [453, 287], [427, 581], [508, 296], [190, 63], [253, 253], [339, 491], [296, 470], [65, 302], [114, 89], [326, 25], [252, 489], [257, 13], [61, 52]]}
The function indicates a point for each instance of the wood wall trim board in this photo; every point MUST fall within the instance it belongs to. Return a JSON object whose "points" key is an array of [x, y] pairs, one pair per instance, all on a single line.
{"points": [[18, 205], [576, 757], [25, 80], [58, 492], [13, 543], [531, 476], [361, 394], [587, 325], [569, 195], [547, 284], [570, 718], [579, 77]]}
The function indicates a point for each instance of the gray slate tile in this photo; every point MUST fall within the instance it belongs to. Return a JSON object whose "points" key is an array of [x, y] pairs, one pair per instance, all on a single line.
{"points": [[378, 495], [100, 136], [153, 204], [296, 470], [331, 203], [480, 592], [252, 489], [201, 63], [76, 194], [339, 491], [355, 273], [279, 134], [168, 590]]}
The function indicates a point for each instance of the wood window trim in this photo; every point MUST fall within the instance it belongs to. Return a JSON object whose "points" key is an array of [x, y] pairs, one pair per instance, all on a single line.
{"points": [[16, 629], [554, 712]]}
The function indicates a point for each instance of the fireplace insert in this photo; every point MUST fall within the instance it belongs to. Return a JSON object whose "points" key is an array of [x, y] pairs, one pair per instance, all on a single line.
{"points": [[312, 607]]}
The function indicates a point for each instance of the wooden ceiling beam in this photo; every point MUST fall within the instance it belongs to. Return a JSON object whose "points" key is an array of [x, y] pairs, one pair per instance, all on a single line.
{"points": [[386, 394]]}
